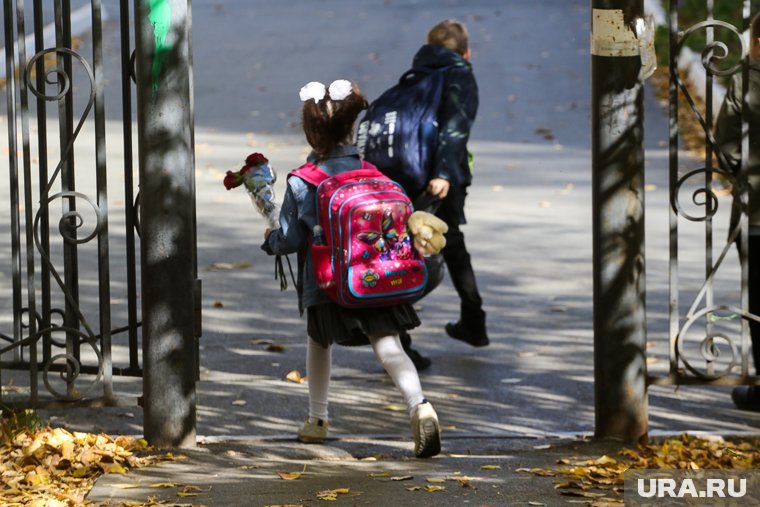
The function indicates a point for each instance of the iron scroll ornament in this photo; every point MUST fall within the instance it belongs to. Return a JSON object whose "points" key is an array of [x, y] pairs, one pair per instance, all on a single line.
{"points": [[64, 85], [713, 52], [71, 221], [66, 229], [73, 366], [709, 345]]}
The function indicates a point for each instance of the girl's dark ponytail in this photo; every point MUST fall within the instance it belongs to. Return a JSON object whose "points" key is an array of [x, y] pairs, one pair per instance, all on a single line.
{"points": [[329, 123]]}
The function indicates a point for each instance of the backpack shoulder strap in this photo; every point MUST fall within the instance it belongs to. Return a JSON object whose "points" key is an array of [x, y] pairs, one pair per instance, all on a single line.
{"points": [[367, 170], [368, 166], [310, 173], [423, 71]]}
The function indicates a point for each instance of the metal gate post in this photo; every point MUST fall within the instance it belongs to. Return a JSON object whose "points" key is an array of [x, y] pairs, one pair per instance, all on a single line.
{"points": [[618, 222], [167, 220]]}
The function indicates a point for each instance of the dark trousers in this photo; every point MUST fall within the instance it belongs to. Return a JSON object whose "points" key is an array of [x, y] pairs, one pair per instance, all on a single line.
{"points": [[458, 262], [753, 265], [459, 265], [462, 275]]}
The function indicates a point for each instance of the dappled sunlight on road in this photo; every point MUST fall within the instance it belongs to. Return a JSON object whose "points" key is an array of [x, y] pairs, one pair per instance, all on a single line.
{"points": [[530, 238]]}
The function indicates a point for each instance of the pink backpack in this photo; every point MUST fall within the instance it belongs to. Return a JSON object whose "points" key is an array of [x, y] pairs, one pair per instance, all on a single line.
{"points": [[366, 257]]}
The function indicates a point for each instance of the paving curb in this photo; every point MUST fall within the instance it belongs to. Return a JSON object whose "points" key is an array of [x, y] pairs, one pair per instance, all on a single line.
{"points": [[236, 474]]}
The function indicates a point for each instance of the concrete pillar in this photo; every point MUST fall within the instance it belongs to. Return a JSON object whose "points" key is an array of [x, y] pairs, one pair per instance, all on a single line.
{"points": [[167, 220]]}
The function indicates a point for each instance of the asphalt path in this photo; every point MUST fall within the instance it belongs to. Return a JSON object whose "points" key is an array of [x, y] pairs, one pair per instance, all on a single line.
{"points": [[529, 225]]}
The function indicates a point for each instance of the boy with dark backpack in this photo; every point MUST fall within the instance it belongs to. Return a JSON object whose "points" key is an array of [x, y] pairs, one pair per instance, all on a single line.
{"points": [[430, 158]]}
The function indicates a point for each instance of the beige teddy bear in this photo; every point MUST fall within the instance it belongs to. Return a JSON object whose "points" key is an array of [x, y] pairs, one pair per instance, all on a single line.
{"points": [[427, 230]]}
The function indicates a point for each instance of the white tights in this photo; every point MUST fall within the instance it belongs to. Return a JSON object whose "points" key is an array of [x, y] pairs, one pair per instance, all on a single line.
{"points": [[388, 351]]}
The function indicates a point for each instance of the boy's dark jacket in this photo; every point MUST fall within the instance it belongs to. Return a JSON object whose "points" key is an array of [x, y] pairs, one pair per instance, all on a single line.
{"points": [[457, 111]]}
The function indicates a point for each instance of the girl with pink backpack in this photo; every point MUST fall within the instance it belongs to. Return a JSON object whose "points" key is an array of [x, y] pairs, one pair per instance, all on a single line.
{"points": [[366, 269]]}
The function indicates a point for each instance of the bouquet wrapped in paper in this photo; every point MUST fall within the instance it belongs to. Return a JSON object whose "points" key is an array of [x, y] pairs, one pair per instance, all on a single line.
{"points": [[258, 178]]}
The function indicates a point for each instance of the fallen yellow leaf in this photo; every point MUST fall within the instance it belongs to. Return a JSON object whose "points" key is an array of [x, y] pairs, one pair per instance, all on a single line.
{"points": [[584, 494], [332, 494], [295, 376], [289, 476], [112, 468], [189, 488], [538, 471], [490, 467], [604, 460]]}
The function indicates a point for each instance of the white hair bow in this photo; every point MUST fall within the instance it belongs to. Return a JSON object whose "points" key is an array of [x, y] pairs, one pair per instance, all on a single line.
{"points": [[338, 90]]}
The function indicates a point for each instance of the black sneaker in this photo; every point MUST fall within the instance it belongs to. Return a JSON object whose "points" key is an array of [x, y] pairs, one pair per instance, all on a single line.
{"points": [[458, 331], [420, 362], [746, 398]]}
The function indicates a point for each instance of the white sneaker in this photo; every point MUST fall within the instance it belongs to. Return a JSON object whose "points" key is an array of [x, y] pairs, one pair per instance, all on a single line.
{"points": [[427, 432], [313, 431]]}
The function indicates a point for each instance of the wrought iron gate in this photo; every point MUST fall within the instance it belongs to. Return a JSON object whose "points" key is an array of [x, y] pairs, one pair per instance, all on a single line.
{"points": [[69, 269], [716, 311]]}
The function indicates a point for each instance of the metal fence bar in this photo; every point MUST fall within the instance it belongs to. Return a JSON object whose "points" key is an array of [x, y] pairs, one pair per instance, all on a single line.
{"points": [[68, 180], [673, 310], [104, 276], [709, 211], [10, 90], [31, 286], [129, 197], [744, 238], [43, 231]]}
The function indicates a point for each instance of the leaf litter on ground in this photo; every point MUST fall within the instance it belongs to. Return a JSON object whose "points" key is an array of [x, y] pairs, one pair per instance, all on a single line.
{"points": [[55, 467], [606, 473]]}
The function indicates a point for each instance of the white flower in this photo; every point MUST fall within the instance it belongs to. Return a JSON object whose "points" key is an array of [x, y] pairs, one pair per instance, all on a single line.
{"points": [[340, 89], [313, 90]]}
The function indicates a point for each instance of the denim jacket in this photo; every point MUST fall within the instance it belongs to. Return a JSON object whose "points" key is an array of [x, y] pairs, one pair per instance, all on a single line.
{"points": [[298, 216]]}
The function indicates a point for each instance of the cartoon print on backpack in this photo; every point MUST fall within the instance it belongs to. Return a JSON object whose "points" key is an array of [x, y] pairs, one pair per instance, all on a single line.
{"points": [[372, 238], [370, 278], [389, 243]]}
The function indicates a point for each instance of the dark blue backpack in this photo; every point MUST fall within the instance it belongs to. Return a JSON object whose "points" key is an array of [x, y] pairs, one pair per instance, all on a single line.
{"points": [[399, 132]]}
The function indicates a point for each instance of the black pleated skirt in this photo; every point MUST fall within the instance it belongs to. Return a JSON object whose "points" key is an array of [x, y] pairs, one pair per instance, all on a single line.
{"points": [[329, 323]]}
